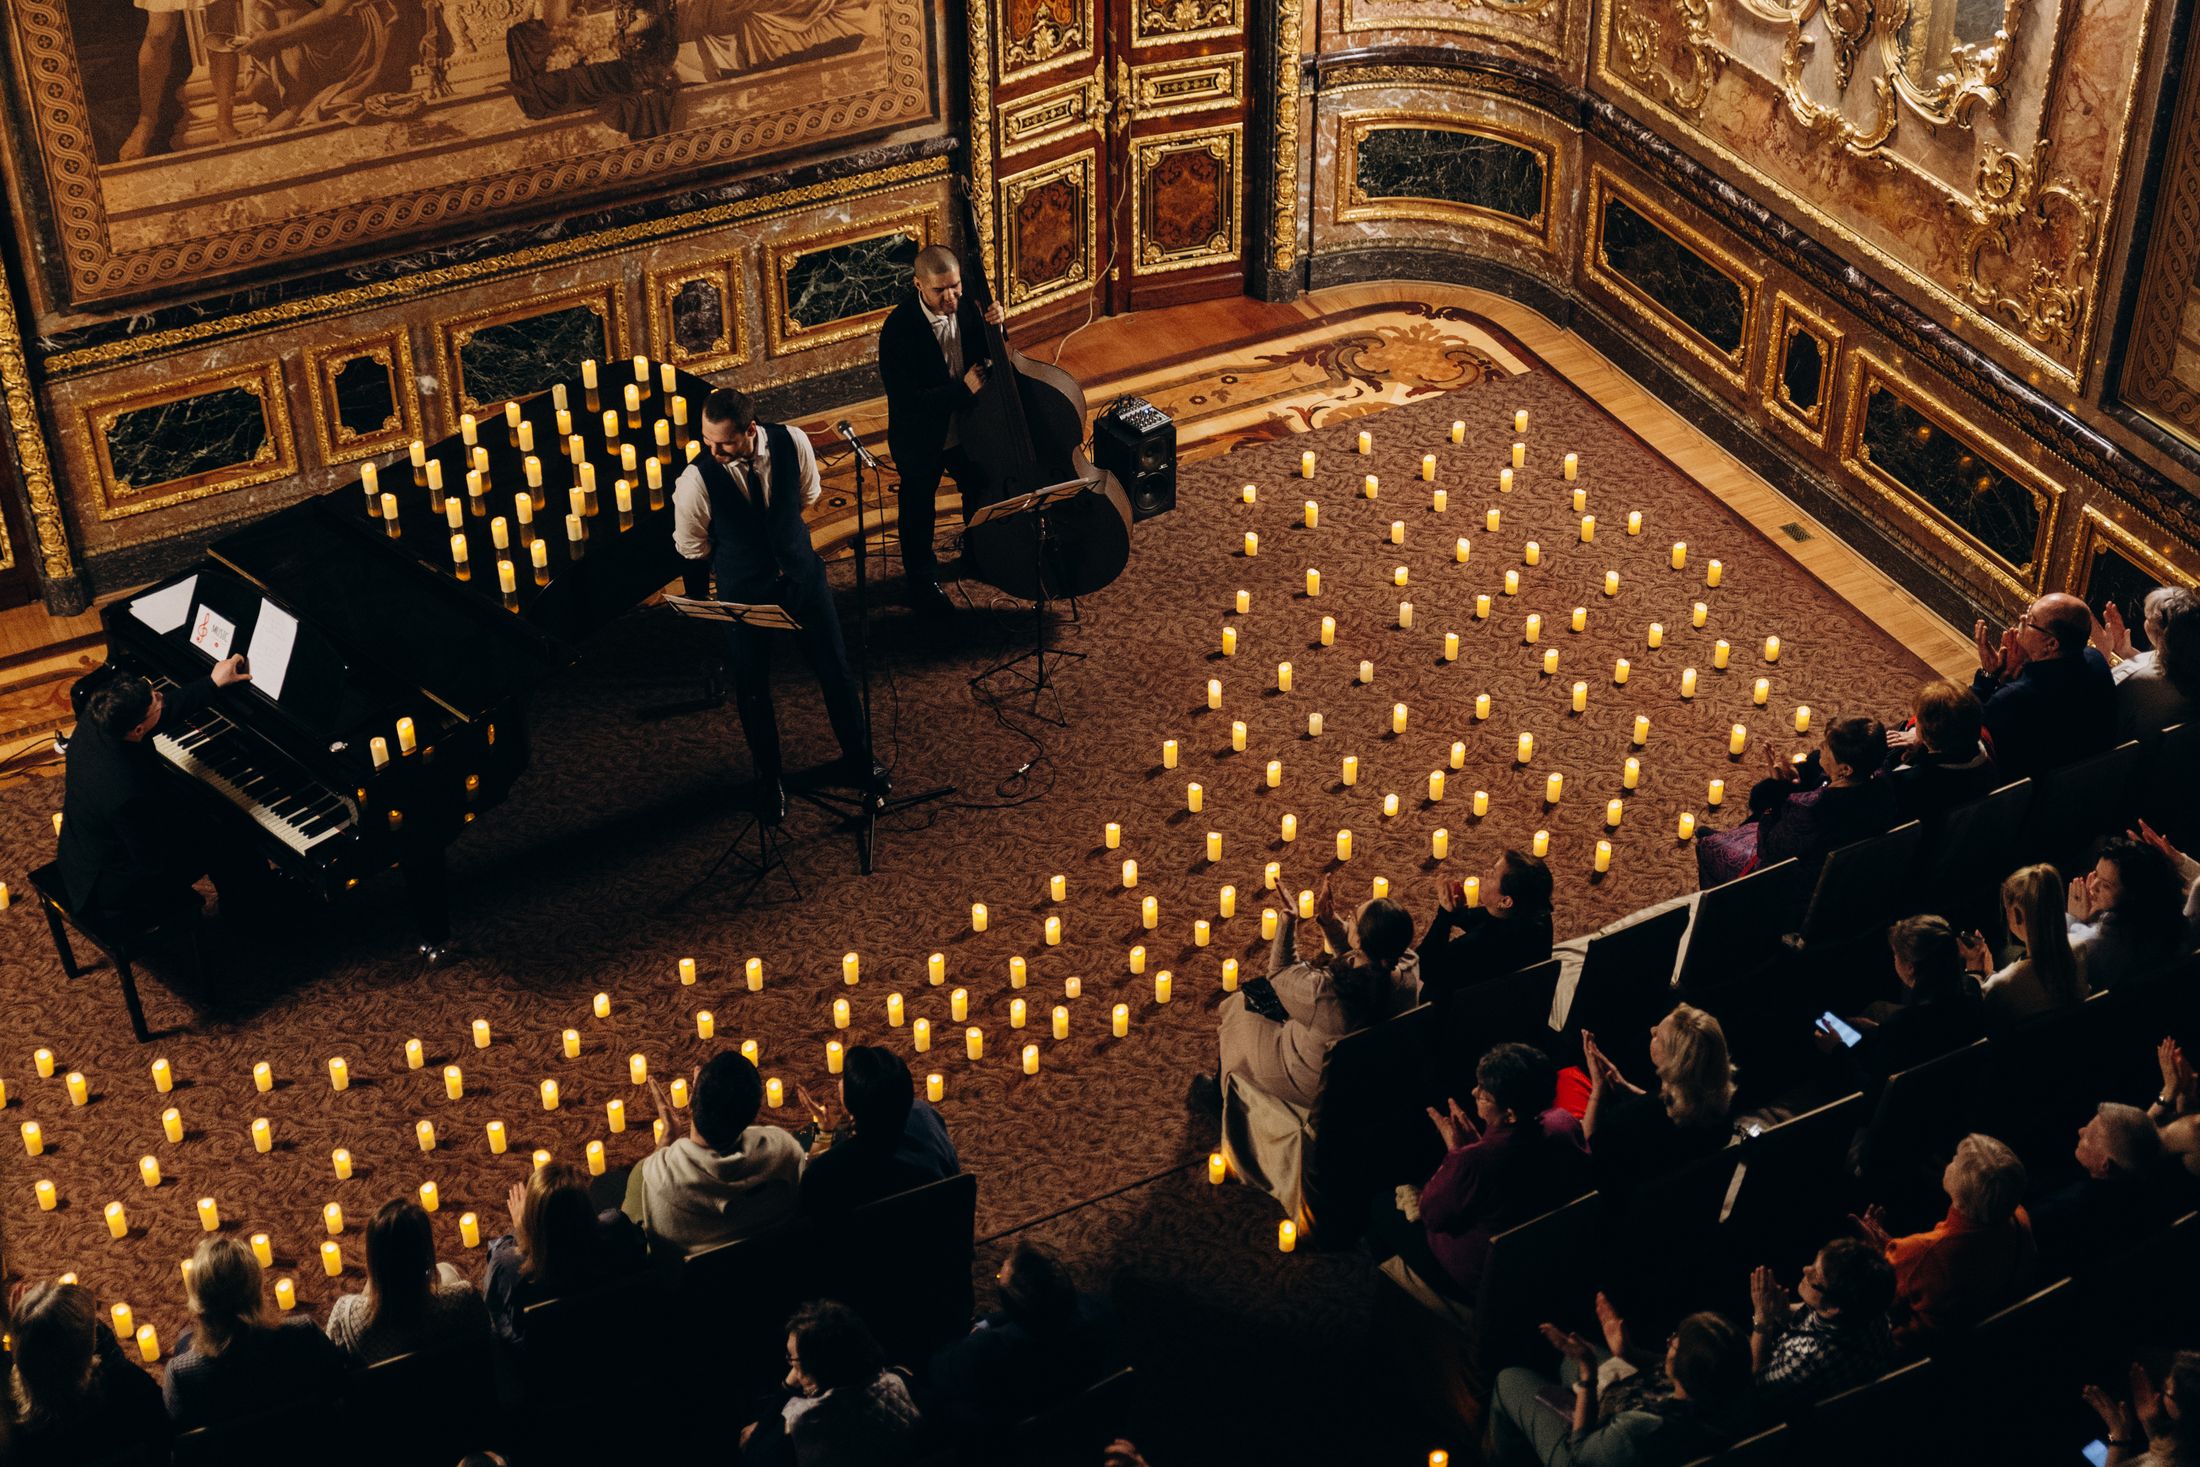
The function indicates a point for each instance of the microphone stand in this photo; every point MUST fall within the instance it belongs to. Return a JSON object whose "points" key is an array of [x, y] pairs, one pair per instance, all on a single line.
{"points": [[862, 811]]}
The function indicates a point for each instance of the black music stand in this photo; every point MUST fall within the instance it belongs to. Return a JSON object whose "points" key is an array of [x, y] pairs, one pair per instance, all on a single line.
{"points": [[1037, 502], [860, 810], [770, 845]]}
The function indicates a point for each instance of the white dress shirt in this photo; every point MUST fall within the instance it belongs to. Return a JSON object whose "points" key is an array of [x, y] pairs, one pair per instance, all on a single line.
{"points": [[691, 501], [947, 330]]}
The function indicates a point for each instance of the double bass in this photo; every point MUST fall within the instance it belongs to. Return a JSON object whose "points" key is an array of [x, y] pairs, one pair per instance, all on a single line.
{"points": [[1025, 430]]}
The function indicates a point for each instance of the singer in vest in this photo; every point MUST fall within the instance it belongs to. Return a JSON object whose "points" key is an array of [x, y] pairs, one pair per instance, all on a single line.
{"points": [[737, 517], [932, 356]]}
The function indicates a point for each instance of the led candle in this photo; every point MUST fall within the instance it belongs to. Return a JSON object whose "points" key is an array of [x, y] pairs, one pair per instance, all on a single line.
{"points": [[1520, 455], [1313, 725], [263, 1077], [1019, 972], [1428, 468], [1031, 1059], [1288, 828], [1554, 785], [1344, 845], [1054, 931], [836, 1057], [1604, 855], [454, 514], [977, 917], [549, 1095], [840, 1013], [1713, 573], [1436, 786], [1390, 805], [1439, 501], [1532, 553], [1581, 697], [1761, 691], [1237, 736], [1588, 528], [897, 1011], [920, 1035], [637, 1069], [1631, 773], [1458, 431], [1680, 554], [754, 973], [1491, 519], [1580, 619], [1250, 494], [1163, 986], [1512, 583], [1482, 607], [1287, 1236], [1405, 615], [1772, 649], [1526, 750], [1634, 522], [1720, 652], [1306, 464], [974, 1042], [1642, 730], [1214, 845], [80, 1089], [1611, 583], [1533, 632], [1120, 1020], [1397, 532], [332, 1258], [1149, 913], [1366, 441], [1229, 641], [1252, 543], [1573, 465], [541, 1156], [1550, 662], [1737, 740], [1348, 772], [1398, 718], [1620, 669], [1194, 797], [958, 1004], [1306, 905], [1268, 921], [210, 1216], [1451, 646], [1581, 500], [1314, 588], [1018, 1012], [1698, 614], [1541, 844], [1400, 576], [1283, 677], [1214, 693], [340, 1163], [1312, 515]]}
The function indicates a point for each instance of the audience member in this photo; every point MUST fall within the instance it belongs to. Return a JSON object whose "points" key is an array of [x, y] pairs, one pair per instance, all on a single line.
{"points": [[1836, 1337], [234, 1361], [728, 1177], [411, 1302], [1517, 1156], [1707, 1361], [76, 1395], [2048, 696], [1976, 1259], [2048, 975], [2130, 1187], [1632, 1134], [1044, 1341], [2161, 685], [1507, 930], [1940, 760], [2127, 914], [1939, 1009], [2154, 1426], [2188, 874], [891, 1143], [559, 1244], [842, 1406], [1809, 809]]}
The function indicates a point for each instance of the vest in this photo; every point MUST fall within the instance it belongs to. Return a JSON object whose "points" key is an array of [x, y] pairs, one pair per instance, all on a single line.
{"points": [[752, 547]]}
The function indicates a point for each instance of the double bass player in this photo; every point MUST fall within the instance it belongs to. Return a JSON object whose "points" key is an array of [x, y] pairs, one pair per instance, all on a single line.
{"points": [[931, 354]]}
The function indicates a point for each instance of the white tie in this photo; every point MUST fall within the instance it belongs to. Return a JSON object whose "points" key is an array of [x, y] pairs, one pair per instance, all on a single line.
{"points": [[950, 344]]}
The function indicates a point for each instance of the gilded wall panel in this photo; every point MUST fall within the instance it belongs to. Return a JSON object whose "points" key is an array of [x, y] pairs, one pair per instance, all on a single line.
{"points": [[187, 440], [1536, 29], [362, 396], [1802, 364], [2120, 555], [486, 357], [1166, 22], [1050, 218], [1185, 192], [837, 284], [699, 313], [1036, 36], [1670, 276]]}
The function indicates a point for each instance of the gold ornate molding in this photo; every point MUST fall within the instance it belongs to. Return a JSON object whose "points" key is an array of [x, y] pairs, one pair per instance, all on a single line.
{"points": [[1046, 41], [606, 299], [1194, 84], [1284, 198], [518, 262], [55, 560], [783, 334], [1732, 366], [2152, 379], [277, 457], [1640, 37], [2048, 304], [727, 274], [2014, 582], [2162, 555], [1077, 169], [1353, 204], [1791, 317], [1167, 22], [1226, 241], [334, 442], [977, 31], [1452, 18], [1061, 111]]}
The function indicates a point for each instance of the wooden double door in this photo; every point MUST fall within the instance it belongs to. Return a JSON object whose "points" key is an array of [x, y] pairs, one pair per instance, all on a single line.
{"points": [[1114, 146]]}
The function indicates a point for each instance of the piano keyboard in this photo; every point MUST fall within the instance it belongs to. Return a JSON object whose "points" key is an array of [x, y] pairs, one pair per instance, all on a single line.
{"points": [[281, 798]]}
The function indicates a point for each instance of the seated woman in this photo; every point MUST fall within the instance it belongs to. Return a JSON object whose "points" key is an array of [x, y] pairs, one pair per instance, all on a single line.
{"points": [[411, 1302], [1976, 1259], [2161, 685], [2156, 1425], [891, 1143], [1518, 1156], [234, 1361], [1939, 1009], [2127, 914], [1707, 1361], [559, 1244], [1834, 1338], [1633, 1135], [1509, 929], [1940, 760], [1805, 811], [1320, 996], [77, 1396], [1045, 1341], [2048, 975], [843, 1406]]}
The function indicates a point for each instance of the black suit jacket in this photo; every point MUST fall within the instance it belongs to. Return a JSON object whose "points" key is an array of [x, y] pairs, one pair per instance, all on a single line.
{"points": [[124, 827], [921, 397]]}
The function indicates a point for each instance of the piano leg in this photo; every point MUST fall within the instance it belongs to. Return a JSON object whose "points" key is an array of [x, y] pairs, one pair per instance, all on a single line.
{"points": [[427, 893]]}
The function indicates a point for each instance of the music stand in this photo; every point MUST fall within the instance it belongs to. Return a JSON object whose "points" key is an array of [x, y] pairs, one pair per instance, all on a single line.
{"points": [[1037, 502], [770, 845]]}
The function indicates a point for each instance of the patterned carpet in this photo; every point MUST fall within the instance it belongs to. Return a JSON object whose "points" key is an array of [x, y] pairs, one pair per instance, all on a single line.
{"points": [[574, 887]]}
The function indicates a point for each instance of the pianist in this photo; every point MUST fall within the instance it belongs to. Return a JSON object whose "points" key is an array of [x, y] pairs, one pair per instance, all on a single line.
{"points": [[133, 840], [737, 514]]}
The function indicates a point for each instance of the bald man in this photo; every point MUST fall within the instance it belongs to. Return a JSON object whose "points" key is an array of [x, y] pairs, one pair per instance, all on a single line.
{"points": [[932, 355], [2049, 697]]}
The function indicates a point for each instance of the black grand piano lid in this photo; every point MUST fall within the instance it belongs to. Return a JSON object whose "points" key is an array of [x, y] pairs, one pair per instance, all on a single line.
{"points": [[387, 612]]}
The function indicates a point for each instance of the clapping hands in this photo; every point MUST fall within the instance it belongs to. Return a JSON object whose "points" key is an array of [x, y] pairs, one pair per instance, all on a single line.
{"points": [[1768, 1298], [1872, 1226], [1454, 1125]]}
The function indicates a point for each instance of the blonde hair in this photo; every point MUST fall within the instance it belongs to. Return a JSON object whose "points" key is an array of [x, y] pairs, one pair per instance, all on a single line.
{"points": [[224, 1292], [1988, 1182], [1696, 1079], [2038, 893]]}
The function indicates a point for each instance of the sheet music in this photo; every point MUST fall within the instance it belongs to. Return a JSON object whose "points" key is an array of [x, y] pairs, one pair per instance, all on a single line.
{"points": [[274, 635], [213, 633], [165, 610]]}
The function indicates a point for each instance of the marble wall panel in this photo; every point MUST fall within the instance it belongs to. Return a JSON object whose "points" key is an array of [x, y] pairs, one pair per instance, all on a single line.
{"points": [[1671, 275], [2120, 556], [1541, 33]]}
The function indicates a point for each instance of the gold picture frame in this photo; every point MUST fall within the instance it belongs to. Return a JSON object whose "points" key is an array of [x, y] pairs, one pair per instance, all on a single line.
{"points": [[332, 441], [1732, 366], [1354, 205], [1791, 317], [605, 298], [1227, 241], [734, 344], [277, 458], [923, 222]]}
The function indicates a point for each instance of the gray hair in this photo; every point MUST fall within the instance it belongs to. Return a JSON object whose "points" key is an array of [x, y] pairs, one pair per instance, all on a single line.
{"points": [[2132, 1141], [1989, 1180]]}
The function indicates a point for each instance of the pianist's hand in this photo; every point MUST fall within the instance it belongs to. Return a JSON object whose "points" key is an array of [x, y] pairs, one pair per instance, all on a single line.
{"points": [[230, 670]]}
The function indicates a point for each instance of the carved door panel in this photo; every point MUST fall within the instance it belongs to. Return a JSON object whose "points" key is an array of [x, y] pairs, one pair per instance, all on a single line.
{"points": [[1180, 157], [1049, 132]]}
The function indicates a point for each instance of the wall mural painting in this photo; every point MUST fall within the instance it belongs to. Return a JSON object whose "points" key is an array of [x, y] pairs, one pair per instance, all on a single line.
{"points": [[184, 140]]}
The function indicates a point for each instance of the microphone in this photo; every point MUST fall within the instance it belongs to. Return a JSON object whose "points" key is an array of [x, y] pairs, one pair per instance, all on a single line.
{"points": [[864, 455]]}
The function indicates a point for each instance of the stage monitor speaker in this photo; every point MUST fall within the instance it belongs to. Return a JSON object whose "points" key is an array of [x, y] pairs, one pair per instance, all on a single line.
{"points": [[1136, 442]]}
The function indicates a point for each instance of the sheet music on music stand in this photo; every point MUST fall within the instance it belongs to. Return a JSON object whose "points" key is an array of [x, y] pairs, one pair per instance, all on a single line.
{"points": [[756, 614], [1042, 498]]}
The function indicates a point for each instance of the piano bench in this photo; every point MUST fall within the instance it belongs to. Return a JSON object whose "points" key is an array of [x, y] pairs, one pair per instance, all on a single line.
{"points": [[115, 936]]}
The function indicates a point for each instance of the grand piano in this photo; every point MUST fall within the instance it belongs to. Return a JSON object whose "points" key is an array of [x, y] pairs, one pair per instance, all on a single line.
{"points": [[396, 627]]}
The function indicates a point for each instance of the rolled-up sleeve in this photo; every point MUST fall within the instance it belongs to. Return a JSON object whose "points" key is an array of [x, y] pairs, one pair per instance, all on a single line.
{"points": [[691, 514]]}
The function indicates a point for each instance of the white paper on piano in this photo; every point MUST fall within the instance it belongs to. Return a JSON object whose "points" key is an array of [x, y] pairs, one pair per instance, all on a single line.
{"points": [[166, 609], [213, 633], [273, 637]]}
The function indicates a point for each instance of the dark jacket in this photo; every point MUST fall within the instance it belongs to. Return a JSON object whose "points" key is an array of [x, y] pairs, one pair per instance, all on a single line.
{"points": [[922, 398], [121, 1410], [123, 841], [1929, 785], [1002, 1372], [753, 549], [1636, 1140], [1498, 1180], [1466, 945], [283, 1364], [856, 1171], [507, 1291], [2049, 714]]}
